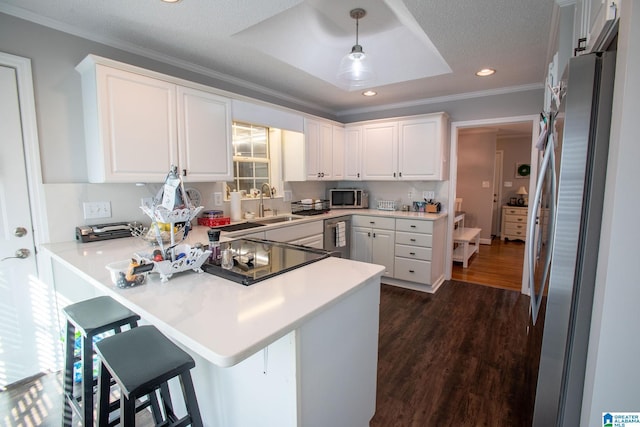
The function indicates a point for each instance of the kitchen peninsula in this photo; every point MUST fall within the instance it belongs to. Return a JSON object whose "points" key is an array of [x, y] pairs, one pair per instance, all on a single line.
{"points": [[296, 349]]}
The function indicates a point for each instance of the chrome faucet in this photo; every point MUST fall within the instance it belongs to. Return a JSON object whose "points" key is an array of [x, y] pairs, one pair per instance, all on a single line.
{"points": [[261, 209]]}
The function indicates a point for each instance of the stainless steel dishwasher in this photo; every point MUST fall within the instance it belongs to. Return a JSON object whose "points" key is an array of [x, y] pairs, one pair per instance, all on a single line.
{"points": [[337, 236]]}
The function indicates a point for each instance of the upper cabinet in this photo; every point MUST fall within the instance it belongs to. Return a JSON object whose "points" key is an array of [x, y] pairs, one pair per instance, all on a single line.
{"points": [[407, 149], [138, 124], [322, 151], [353, 152], [594, 24]]}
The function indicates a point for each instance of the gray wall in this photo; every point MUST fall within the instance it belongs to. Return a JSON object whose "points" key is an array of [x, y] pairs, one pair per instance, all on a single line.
{"points": [[516, 150]]}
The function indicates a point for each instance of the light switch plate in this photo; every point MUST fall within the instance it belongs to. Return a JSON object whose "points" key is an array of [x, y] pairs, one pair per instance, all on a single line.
{"points": [[508, 184], [287, 196], [486, 184], [217, 199], [95, 210], [429, 195]]}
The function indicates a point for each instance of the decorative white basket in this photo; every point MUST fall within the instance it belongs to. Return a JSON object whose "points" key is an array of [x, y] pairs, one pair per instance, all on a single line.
{"points": [[187, 258], [162, 214], [386, 205]]}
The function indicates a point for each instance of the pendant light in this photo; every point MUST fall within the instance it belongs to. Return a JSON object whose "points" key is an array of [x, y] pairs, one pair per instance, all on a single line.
{"points": [[355, 67]]}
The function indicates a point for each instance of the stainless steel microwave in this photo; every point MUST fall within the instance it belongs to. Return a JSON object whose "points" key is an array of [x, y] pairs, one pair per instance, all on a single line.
{"points": [[348, 198]]}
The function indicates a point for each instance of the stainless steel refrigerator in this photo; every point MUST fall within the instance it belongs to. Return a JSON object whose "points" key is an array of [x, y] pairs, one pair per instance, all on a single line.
{"points": [[565, 228]]}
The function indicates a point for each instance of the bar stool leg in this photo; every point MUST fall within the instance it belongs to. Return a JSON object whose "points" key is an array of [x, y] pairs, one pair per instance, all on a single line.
{"points": [[87, 380], [127, 411], [166, 401], [104, 383], [69, 344], [155, 407], [190, 399]]}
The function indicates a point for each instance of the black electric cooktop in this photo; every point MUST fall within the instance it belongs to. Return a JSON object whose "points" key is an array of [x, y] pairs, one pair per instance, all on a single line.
{"points": [[255, 260]]}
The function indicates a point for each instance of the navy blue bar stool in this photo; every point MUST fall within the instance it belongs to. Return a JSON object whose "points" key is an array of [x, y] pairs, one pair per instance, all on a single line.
{"points": [[141, 361], [91, 317]]}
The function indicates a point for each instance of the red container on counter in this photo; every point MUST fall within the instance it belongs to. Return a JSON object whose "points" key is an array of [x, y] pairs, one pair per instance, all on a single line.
{"points": [[214, 222]]}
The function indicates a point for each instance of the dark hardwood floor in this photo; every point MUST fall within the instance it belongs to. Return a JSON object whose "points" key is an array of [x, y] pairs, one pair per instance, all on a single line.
{"points": [[459, 358], [498, 265]]}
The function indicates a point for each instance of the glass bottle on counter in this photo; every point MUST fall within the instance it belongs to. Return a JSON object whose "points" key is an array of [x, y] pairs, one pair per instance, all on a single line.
{"points": [[214, 246]]}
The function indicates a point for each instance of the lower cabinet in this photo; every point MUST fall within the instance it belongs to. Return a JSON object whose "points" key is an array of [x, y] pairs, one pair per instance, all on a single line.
{"points": [[373, 240], [419, 254], [308, 234]]}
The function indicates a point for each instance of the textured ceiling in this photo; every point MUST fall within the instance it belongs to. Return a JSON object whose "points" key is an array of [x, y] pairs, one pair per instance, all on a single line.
{"points": [[224, 36]]}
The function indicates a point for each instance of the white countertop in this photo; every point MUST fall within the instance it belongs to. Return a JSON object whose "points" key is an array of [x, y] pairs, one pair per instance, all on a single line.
{"points": [[222, 321]]}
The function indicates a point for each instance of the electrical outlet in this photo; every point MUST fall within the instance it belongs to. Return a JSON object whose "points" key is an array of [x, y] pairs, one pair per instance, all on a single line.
{"points": [[429, 195], [287, 196], [410, 195], [94, 210], [217, 199]]}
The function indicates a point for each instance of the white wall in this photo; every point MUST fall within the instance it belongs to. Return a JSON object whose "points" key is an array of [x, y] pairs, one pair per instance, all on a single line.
{"points": [[516, 150], [613, 364]]}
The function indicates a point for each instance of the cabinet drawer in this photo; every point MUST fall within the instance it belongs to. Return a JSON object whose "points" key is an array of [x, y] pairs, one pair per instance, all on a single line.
{"points": [[414, 239], [413, 270], [515, 219], [414, 225], [373, 222], [295, 232], [413, 252], [512, 228], [515, 211]]}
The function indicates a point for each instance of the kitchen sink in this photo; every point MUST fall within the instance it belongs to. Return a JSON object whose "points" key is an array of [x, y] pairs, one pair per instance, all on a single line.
{"points": [[241, 226], [277, 219]]}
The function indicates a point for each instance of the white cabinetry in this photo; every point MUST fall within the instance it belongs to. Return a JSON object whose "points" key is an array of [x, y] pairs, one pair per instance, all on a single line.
{"points": [[514, 223], [352, 153], [594, 23], [380, 151], [409, 149], [307, 234], [373, 240], [419, 252], [138, 123], [322, 151]]}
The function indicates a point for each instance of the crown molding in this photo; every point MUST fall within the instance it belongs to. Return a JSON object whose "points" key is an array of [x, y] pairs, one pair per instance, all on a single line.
{"points": [[446, 98]]}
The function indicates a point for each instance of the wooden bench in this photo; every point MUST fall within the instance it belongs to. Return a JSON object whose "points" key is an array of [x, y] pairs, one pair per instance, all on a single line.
{"points": [[466, 243]]}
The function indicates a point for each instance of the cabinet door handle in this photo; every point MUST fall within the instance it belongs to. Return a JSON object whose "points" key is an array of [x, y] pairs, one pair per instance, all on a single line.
{"points": [[412, 253], [411, 271], [358, 175], [369, 234], [394, 174], [372, 222], [412, 240], [374, 235], [400, 174], [413, 226], [322, 174], [184, 172]]}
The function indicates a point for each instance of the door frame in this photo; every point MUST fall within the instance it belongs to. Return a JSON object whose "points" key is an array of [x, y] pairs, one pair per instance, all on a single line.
{"points": [[31, 144], [497, 192], [453, 173]]}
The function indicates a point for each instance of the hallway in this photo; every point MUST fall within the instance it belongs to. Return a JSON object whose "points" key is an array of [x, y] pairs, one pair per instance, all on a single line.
{"points": [[498, 265]]}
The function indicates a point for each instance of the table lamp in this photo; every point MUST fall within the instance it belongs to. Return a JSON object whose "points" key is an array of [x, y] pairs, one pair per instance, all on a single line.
{"points": [[522, 193]]}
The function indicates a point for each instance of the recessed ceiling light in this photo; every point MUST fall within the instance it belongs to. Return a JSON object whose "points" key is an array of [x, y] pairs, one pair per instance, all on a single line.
{"points": [[369, 93], [172, 1], [485, 72]]}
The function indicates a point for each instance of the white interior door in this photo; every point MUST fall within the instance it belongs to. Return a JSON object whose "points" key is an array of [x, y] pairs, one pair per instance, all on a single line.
{"points": [[497, 193], [27, 307]]}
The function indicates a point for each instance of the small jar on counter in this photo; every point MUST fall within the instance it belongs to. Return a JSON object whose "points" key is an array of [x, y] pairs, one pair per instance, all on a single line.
{"points": [[214, 246]]}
